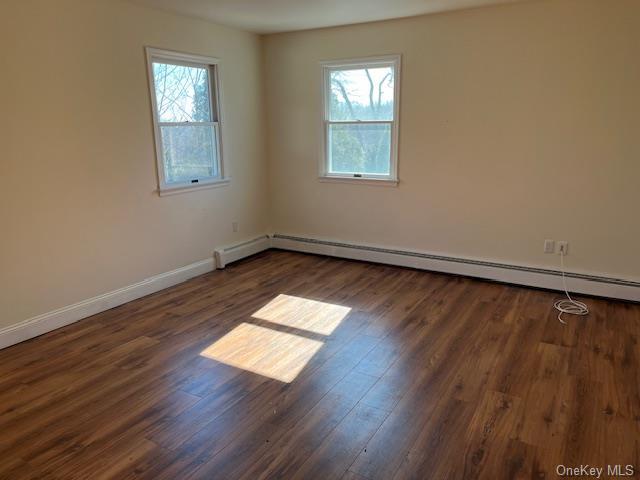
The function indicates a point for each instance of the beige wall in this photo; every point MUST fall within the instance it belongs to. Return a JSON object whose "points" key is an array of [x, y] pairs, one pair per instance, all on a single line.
{"points": [[518, 123], [78, 212]]}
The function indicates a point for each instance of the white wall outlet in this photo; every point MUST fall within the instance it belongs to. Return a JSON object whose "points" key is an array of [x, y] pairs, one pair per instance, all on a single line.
{"points": [[563, 248], [549, 246], [234, 226]]}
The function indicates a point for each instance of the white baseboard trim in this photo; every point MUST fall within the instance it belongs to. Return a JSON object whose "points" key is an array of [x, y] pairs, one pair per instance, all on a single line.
{"points": [[596, 285], [61, 317], [232, 253]]}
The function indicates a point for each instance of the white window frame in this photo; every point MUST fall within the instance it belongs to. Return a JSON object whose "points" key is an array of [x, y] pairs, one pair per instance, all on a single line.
{"points": [[327, 67], [215, 99]]}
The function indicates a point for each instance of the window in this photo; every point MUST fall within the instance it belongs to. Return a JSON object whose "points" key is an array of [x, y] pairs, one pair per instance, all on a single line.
{"points": [[185, 98], [361, 119]]}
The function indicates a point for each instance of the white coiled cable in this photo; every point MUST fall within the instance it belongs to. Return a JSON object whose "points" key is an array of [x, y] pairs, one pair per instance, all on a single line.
{"points": [[568, 305]]}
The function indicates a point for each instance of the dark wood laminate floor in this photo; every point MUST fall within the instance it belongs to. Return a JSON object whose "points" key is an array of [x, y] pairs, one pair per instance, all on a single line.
{"points": [[294, 366]]}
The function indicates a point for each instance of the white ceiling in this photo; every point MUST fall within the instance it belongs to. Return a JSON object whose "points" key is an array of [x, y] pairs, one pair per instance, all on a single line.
{"points": [[269, 16]]}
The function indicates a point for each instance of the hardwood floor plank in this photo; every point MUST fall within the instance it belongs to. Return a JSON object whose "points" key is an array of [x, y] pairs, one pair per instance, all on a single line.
{"points": [[288, 365], [288, 446], [488, 435], [338, 451], [435, 448], [383, 457]]}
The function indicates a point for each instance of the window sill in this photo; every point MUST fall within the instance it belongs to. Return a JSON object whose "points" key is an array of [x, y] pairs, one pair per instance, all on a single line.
{"points": [[192, 187], [382, 182]]}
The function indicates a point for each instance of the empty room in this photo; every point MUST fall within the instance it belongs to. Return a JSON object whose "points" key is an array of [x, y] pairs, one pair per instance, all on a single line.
{"points": [[319, 239]]}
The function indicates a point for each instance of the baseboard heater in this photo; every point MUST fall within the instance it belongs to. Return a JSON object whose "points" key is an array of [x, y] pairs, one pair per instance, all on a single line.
{"points": [[226, 255], [516, 274], [597, 285]]}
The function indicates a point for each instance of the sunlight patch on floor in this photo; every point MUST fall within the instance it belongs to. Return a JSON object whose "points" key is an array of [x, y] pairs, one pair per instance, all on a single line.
{"points": [[304, 314], [264, 351]]}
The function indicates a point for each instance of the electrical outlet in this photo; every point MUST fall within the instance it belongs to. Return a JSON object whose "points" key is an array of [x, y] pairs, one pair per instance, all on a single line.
{"points": [[234, 226], [563, 247], [549, 246]]}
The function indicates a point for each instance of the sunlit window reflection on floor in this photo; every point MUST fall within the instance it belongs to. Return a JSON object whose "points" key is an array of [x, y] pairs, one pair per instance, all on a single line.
{"points": [[264, 351], [304, 314]]}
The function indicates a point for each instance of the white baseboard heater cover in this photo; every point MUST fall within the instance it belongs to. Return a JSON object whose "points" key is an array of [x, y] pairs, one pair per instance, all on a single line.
{"points": [[596, 285], [227, 255]]}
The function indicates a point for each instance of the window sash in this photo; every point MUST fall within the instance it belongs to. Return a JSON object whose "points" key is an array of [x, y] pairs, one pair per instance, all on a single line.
{"points": [[327, 86], [185, 124], [359, 122], [354, 174], [198, 180], [210, 69]]}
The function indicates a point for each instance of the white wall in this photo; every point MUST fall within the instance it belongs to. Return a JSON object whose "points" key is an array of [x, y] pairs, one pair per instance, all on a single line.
{"points": [[518, 123], [79, 215]]}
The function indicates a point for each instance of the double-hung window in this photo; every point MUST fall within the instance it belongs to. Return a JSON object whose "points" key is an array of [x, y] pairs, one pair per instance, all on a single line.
{"points": [[360, 127], [186, 113]]}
